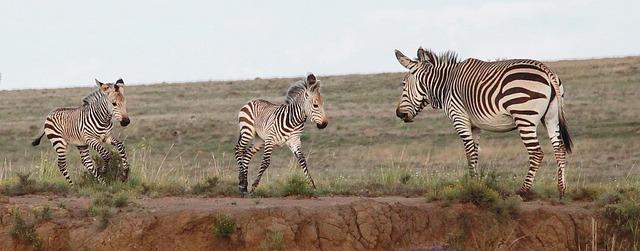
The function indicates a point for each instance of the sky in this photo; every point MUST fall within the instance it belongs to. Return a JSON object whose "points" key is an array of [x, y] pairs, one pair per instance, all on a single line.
{"points": [[49, 44]]}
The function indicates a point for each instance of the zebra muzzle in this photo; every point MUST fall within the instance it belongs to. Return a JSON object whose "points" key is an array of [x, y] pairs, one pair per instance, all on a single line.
{"points": [[323, 125], [404, 116], [125, 122]]}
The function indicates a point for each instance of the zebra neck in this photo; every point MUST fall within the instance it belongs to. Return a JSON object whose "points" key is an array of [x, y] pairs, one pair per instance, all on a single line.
{"points": [[437, 89], [296, 113], [100, 110]]}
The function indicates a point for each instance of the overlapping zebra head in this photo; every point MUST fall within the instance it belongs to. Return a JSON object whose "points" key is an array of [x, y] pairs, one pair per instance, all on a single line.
{"points": [[115, 94], [415, 91], [314, 106]]}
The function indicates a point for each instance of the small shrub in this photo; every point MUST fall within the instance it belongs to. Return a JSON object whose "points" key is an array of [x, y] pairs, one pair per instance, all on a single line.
{"points": [[622, 210], [208, 186], [22, 231], [273, 241], [42, 213], [112, 170], [120, 200], [223, 226], [480, 192], [103, 215], [296, 184], [585, 194], [404, 178]]}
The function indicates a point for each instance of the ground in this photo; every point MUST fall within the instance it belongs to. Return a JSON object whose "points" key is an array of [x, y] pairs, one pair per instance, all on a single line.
{"points": [[325, 223]]}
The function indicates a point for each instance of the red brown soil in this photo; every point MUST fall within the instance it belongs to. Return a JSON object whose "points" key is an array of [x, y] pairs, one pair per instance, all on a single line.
{"points": [[328, 223]]}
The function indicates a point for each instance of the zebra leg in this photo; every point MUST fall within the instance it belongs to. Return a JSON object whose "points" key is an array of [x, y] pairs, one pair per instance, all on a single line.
{"points": [[104, 154], [295, 146], [246, 134], [266, 161], [61, 151], [85, 156], [256, 147], [463, 128], [530, 140], [123, 156], [553, 129]]}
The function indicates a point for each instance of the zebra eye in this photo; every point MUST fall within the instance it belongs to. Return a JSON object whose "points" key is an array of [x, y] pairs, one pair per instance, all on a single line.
{"points": [[315, 105], [114, 103]]}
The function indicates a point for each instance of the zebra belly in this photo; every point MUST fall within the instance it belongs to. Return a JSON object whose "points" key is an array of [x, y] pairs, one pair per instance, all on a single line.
{"points": [[498, 123]]}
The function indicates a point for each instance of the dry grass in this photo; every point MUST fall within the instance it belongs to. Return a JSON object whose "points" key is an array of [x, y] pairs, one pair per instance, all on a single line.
{"points": [[181, 134]]}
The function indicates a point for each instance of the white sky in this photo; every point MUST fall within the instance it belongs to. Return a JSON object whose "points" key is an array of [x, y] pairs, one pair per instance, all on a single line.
{"points": [[46, 44]]}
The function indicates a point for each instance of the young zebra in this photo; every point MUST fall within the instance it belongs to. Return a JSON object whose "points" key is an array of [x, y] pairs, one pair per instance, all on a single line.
{"points": [[276, 125], [494, 96], [88, 126]]}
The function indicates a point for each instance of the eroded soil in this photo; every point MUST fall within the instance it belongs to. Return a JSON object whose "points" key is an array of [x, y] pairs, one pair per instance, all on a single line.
{"points": [[327, 223]]}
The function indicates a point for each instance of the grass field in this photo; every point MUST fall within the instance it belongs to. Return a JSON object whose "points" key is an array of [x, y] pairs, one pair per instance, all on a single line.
{"points": [[182, 133]]}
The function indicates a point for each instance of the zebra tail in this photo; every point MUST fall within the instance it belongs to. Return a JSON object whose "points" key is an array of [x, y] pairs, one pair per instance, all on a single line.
{"points": [[37, 140], [564, 131], [564, 134]]}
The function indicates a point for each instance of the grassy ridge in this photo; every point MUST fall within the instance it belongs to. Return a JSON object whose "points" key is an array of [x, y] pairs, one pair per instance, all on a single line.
{"points": [[183, 133]]}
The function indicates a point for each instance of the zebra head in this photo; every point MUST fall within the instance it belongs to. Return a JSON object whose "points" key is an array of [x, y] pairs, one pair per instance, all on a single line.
{"points": [[414, 94], [314, 106], [115, 94]]}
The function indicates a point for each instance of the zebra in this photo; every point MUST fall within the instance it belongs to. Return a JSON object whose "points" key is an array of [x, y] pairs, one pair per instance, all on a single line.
{"points": [[495, 96], [276, 125], [88, 126]]}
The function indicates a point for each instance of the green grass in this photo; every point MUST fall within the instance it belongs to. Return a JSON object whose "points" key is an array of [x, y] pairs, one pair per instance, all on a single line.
{"points": [[42, 213], [622, 209], [274, 240], [22, 231], [223, 226]]}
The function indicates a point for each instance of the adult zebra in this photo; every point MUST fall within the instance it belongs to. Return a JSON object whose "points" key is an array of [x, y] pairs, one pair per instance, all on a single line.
{"points": [[88, 126], [495, 96], [276, 125]]}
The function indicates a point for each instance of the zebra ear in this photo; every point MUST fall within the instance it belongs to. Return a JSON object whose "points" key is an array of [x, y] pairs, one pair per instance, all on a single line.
{"points": [[311, 79], [119, 83], [425, 56], [405, 61], [98, 83], [422, 55]]}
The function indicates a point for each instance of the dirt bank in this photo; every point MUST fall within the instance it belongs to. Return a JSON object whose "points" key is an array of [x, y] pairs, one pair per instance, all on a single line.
{"points": [[389, 223]]}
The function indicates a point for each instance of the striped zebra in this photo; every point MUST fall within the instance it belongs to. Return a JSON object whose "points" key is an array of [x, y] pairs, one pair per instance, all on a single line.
{"points": [[495, 96], [276, 125], [88, 126]]}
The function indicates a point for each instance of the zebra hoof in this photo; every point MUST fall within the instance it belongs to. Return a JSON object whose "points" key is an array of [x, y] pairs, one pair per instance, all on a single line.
{"points": [[525, 195]]}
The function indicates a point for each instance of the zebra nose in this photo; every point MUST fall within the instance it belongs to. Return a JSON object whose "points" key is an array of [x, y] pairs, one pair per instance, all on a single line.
{"points": [[401, 114], [323, 125], [125, 122]]}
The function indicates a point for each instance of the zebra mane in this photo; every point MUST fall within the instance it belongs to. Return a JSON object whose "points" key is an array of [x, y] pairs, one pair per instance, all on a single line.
{"points": [[295, 91], [92, 97], [445, 58]]}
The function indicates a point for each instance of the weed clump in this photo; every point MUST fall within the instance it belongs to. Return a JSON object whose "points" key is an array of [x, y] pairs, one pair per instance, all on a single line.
{"points": [[23, 231], [482, 192], [586, 194], [296, 184], [622, 210], [42, 213], [214, 186], [110, 171], [26, 185], [223, 226], [103, 207], [273, 241]]}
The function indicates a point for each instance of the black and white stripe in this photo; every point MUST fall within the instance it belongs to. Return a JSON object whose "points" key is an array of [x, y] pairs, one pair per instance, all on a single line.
{"points": [[494, 96], [275, 125], [88, 126]]}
